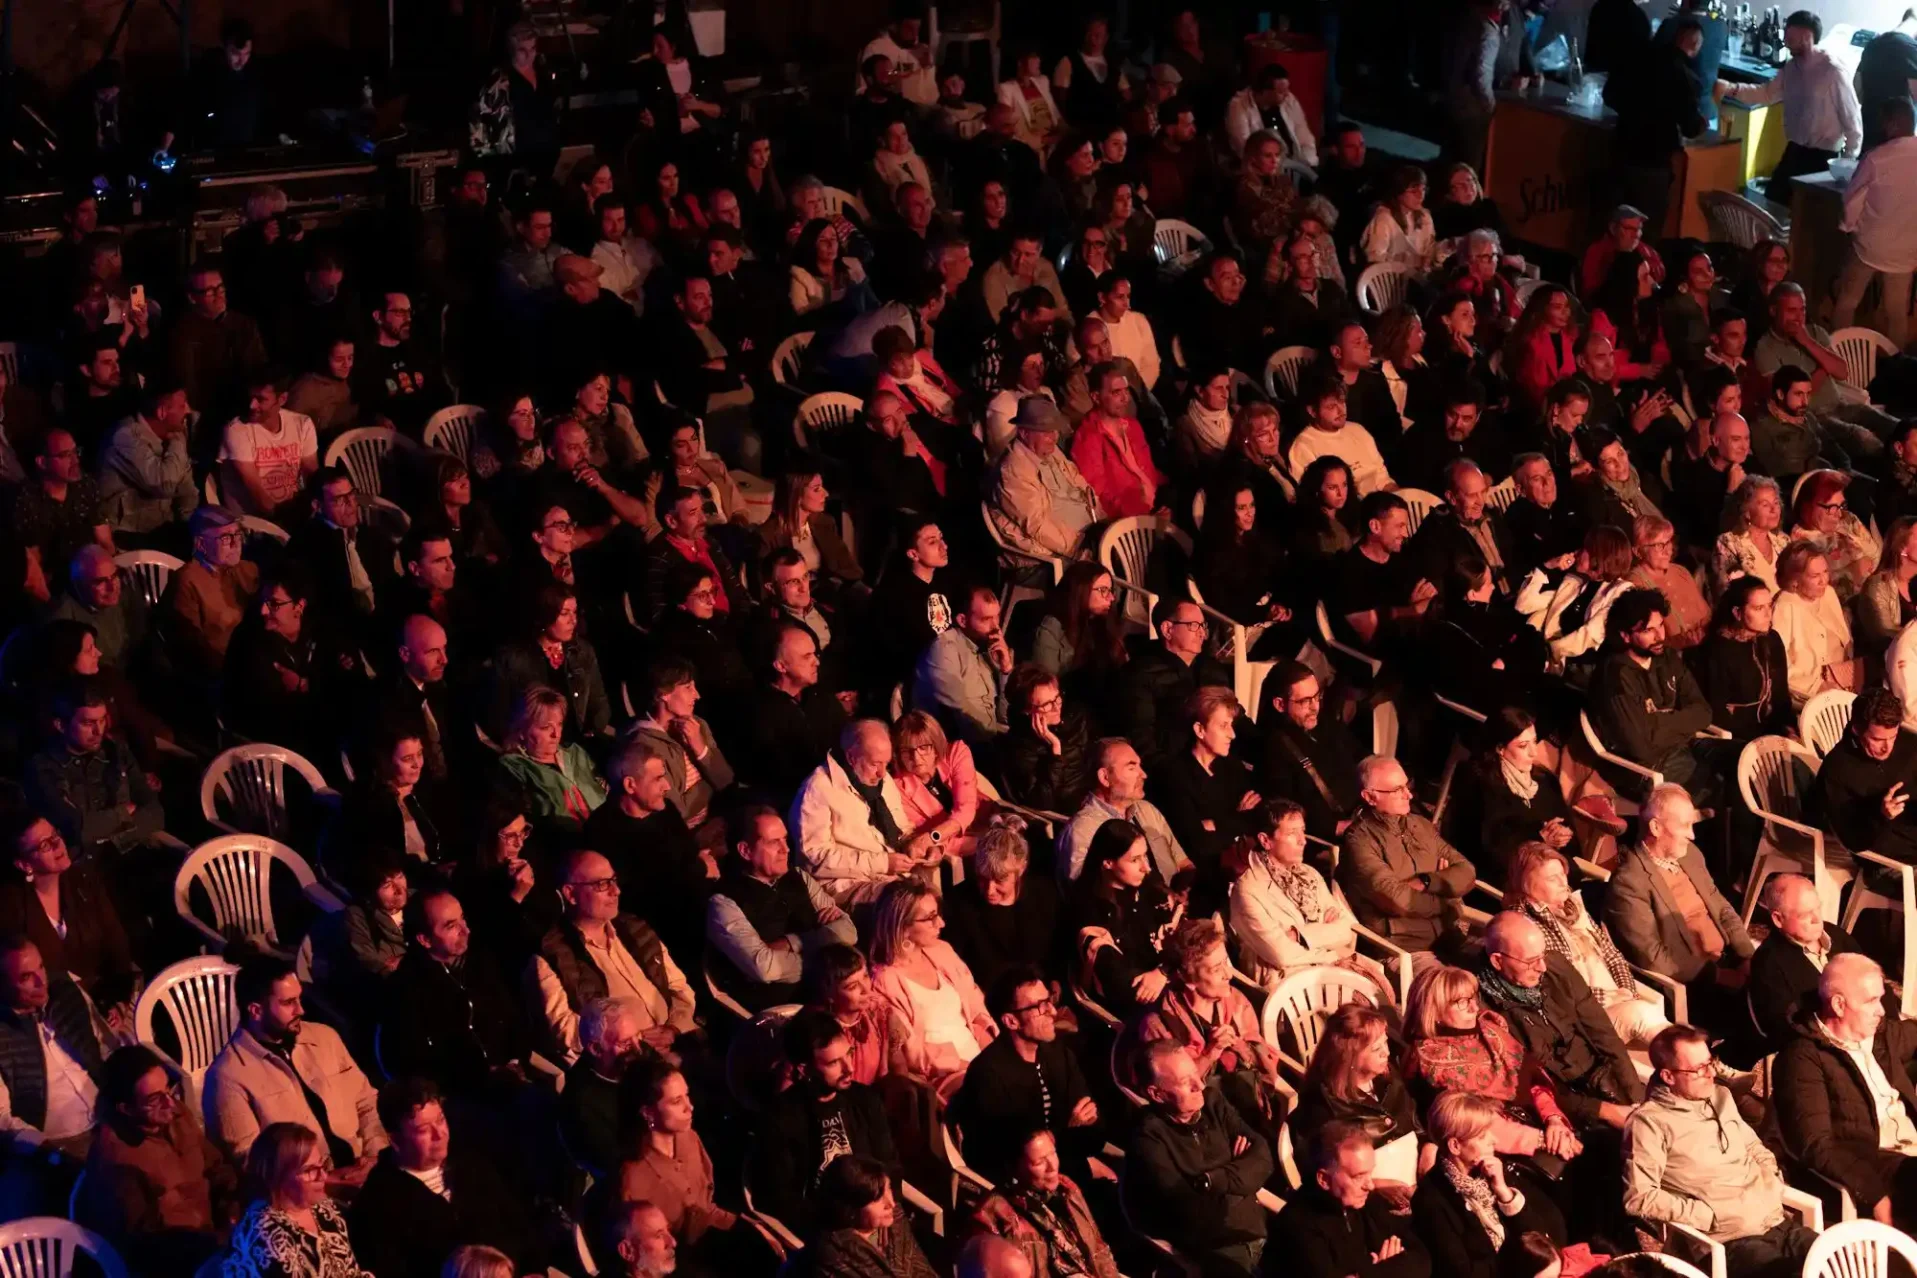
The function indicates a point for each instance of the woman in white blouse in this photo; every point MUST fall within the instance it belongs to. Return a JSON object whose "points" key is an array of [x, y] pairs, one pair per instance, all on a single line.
{"points": [[1283, 913], [1401, 232], [1029, 94], [1572, 616], [896, 162], [1131, 332], [1755, 539], [1809, 617]]}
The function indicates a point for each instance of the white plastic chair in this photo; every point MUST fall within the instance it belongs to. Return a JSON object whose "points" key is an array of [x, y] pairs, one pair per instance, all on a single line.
{"points": [[1652, 777], [825, 412], [1324, 632], [1502, 494], [252, 781], [1527, 287], [198, 995], [1735, 220], [1381, 287], [1860, 348], [838, 200], [361, 450], [1174, 239], [1302, 1001], [148, 571], [1125, 547], [1858, 1249], [1283, 369], [1767, 779], [255, 526], [44, 1247], [452, 429], [1864, 897], [1298, 171], [1421, 503], [1822, 722], [235, 871], [1012, 556], [788, 358], [1681, 1267]]}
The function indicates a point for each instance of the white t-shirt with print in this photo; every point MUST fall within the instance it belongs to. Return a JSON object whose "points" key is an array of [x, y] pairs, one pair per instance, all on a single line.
{"points": [[278, 455]]}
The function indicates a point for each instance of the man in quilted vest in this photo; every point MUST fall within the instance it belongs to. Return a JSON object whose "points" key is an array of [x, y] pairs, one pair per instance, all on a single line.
{"points": [[49, 1069], [597, 951]]}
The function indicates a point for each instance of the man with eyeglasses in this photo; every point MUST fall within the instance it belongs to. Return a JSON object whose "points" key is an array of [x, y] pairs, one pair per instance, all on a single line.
{"points": [[349, 561], [1307, 304], [207, 599], [1310, 758], [156, 1187], [1024, 1080], [643, 835], [1404, 881], [95, 596], [1843, 1094], [1691, 1159], [1554, 1015], [1155, 685], [212, 347], [768, 917], [393, 375], [599, 951], [56, 512]]}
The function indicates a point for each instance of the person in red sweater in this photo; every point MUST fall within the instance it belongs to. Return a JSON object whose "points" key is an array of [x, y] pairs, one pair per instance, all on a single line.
{"points": [[1109, 448]]}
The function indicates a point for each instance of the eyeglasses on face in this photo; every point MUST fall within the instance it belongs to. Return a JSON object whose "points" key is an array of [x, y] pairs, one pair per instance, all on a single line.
{"points": [[608, 884]]}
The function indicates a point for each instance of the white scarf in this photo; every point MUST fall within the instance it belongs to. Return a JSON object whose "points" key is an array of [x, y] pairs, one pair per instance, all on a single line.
{"points": [[1519, 780]]}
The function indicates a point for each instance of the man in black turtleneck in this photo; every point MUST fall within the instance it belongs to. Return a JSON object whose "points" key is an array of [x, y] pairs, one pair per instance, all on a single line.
{"points": [[767, 915]]}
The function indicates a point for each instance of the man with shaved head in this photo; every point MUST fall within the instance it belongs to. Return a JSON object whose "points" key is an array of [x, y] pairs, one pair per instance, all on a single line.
{"points": [[1786, 968], [1403, 879], [1844, 1097], [851, 820], [411, 698], [1551, 1010]]}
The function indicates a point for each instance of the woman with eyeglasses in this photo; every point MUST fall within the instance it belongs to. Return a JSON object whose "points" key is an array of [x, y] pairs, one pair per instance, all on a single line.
{"points": [[692, 629], [1217, 1026], [1767, 265], [1081, 640], [1090, 263], [293, 1229], [65, 909], [504, 885], [284, 671], [509, 443], [937, 782], [1821, 515], [1454, 1043], [551, 652], [1654, 544], [927, 986], [156, 1187], [1045, 755]]}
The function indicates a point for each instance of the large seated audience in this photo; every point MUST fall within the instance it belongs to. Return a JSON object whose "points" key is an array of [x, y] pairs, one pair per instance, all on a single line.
{"points": [[907, 726]]}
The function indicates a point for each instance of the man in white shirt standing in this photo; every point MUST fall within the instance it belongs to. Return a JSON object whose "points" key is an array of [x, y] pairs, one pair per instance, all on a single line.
{"points": [[1877, 208], [1820, 106]]}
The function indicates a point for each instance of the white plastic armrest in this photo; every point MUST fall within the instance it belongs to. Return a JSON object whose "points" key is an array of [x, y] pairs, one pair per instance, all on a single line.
{"points": [[776, 1227], [1373, 663], [1809, 1207], [973, 1179], [1592, 870], [913, 1198], [325, 899], [1456, 707], [779, 1245], [329, 796], [1674, 993], [1907, 880], [1722, 734], [1398, 959], [1288, 1061], [1713, 1249], [1046, 821], [1816, 836], [544, 1066], [1270, 1201]]}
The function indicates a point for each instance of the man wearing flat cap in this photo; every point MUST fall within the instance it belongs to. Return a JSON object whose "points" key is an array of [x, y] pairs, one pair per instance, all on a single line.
{"points": [[1041, 504]]}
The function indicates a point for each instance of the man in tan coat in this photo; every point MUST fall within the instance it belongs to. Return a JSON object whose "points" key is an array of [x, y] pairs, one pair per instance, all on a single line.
{"points": [[1041, 505], [280, 1068]]}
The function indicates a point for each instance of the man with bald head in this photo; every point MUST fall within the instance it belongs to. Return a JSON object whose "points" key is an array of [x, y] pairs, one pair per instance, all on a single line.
{"points": [[1551, 1010], [1467, 524], [893, 472], [1787, 966], [1403, 879], [1700, 485], [1843, 1092], [411, 698], [854, 832], [598, 950]]}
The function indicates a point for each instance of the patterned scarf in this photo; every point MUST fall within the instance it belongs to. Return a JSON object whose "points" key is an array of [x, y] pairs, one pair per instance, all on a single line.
{"points": [[1051, 1215], [1477, 1200], [1303, 886], [1502, 994], [1557, 938]]}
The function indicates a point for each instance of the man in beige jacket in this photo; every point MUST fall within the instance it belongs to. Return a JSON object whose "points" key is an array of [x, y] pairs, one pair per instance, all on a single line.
{"points": [[1041, 504], [280, 1068]]}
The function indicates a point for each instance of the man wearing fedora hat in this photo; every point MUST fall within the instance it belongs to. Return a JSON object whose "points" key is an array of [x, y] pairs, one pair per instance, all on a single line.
{"points": [[1041, 504]]}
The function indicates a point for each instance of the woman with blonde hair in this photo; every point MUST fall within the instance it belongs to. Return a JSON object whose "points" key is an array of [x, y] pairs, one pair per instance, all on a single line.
{"points": [[1455, 1043], [555, 779], [1883, 606], [293, 1229], [1471, 1208], [1217, 1026], [1654, 543], [1540, 889], [1809, 617], [937, 781], [1351, 1077], [1753, 534], [476, 1261], [928, 986], [1821, 515]]}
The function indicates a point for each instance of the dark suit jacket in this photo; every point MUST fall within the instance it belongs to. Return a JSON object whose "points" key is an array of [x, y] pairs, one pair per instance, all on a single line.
{"points": [[401, 1229], [1825, 1111], [321, 549], [1781, 975], [1442, 538]]}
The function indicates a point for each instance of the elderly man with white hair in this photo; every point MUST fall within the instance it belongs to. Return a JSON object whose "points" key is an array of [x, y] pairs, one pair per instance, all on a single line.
{"points": [[94, 595], [1669, 918], [853, 827], [1551, 1010], [1787, 966], [1403, 879], [1843, 1094]]}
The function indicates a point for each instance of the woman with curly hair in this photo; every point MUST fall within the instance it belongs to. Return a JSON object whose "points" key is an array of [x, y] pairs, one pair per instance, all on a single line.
{"points": [[1217, 1026]]}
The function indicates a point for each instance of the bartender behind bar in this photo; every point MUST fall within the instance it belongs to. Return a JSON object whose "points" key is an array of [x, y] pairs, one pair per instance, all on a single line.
{"points": [[1820, 107]]}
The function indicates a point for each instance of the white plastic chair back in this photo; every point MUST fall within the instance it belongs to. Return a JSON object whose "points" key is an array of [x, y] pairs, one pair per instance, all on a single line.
{"points": [[235, 871], [1768, 781], [1173, 238], [789, 358], [361, 450], [1124, 548], [1421, 503], [1859, 349], [452, 429], [837, 201], [148, 571], [1525, 289], [255, 526], [1823, 720], [1858, 1249], [1675, 1264], [44, 1247], [1736, 220], [1304, 999], [824, 413], [1502, 494], [251, 779], [1298, 171], [1283, 369], [198, 996], [1381, 287]]}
